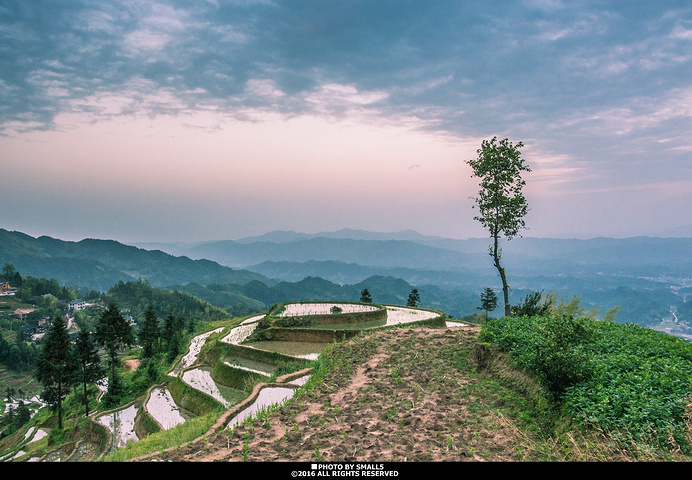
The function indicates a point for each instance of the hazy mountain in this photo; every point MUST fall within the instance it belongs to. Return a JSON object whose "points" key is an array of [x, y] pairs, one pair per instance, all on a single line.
{"points": [[647, 276], [100, 264], [380, 253], [412, 250], [350, 273]]}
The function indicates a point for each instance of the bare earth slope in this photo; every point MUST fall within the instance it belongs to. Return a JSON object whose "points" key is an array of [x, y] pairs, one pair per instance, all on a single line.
{"points": [[398, 395]]}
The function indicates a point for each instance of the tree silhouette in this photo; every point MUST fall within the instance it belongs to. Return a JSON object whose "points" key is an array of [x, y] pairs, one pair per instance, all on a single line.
{"points": [[149, 332], [113, 333], [501, 203], [365, 296], [413, 298], [89, 368]]}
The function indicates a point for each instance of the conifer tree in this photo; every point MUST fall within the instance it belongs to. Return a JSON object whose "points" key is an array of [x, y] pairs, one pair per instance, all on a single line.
{"points": [[365, 296], [149, 332], [56, 366], [488, 301], [113, 333], [413, 298], [89, 368]]}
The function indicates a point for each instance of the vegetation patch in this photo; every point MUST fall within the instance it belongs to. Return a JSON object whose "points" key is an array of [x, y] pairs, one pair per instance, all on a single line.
{"points": [[630, 382]]}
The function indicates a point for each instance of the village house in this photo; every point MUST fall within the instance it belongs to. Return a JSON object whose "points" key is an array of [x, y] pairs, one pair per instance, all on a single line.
{"points": [[6, 288], [78, 305], [22, 313]]}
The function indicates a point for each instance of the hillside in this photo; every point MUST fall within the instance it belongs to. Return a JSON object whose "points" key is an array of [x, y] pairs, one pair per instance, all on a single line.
{"points": [[401, 398], [427, 395], [647, 277], [99, 264]]}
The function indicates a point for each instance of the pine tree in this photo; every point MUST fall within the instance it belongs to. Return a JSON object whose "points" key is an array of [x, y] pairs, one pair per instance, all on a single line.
{"points": [[89, 368], [488, 302], [149, 332], [413, 298], [56, 366], [113, 333], [365, 296]]}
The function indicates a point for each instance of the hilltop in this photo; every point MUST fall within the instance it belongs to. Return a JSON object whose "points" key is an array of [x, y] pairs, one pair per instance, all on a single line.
{"points": [[402, 395], [421, 394]]}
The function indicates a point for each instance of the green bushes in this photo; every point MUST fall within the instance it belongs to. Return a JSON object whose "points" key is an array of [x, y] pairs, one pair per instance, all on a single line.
{"points": [[551, 348], [640, 385], [631, 382]]}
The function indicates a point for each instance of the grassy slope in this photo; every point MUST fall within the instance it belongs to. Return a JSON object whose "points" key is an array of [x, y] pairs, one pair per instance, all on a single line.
{"points": [[406, 394], [416, 395]]}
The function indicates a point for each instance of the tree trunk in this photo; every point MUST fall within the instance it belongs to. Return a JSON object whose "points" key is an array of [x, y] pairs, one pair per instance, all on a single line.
{"points": [[59, 405], [503, 277], [86, 399]]}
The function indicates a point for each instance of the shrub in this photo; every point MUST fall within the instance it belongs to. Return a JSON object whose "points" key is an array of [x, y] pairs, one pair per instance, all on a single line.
{"points": [[629, 381], [550, 348]]}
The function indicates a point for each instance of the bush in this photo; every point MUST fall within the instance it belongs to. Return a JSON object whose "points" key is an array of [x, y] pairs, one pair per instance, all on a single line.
{"points": [[627, 380], [550, 348]]}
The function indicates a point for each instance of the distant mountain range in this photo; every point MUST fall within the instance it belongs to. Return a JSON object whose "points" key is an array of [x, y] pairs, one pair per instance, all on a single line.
{"points": [[649, 277]]}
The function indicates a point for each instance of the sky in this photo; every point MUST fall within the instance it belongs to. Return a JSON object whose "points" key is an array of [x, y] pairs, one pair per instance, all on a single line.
{"points": [[179, 121]]}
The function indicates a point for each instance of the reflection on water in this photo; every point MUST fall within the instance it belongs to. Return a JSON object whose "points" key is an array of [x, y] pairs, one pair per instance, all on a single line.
{"points": [[162, 407], [121, 423], [200, 378], [195, 347], [267, 396]]}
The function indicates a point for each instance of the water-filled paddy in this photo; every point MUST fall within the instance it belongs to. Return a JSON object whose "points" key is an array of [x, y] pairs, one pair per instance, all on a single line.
{"points": [[308, 350], [121, 423], [267, 396], [250, 365], [163, 409], [296, 309]]}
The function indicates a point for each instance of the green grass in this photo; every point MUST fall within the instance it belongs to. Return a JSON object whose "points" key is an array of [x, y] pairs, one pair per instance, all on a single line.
{"points": [[175, 437]]}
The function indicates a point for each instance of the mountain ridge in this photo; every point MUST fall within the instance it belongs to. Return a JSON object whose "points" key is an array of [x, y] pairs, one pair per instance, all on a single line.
{"points": [[103, 263]]}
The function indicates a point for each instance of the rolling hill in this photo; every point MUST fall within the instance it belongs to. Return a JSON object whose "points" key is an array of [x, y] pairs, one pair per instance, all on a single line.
{"points": [[99, 264]]}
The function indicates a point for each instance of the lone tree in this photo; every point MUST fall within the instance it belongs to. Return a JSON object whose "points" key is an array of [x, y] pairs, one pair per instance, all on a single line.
{"points": [[413, 298], [365, 296], [56, 366], [488, 302], [501, 203]]}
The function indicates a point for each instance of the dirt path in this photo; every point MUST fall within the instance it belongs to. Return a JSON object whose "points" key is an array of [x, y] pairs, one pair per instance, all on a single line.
{"points": [[398, 395]]}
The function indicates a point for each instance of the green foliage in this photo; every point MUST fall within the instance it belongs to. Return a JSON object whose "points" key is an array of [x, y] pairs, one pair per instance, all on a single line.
{"points": [[149, 332], [413, 298], [531, 306], [488, 301], [640, 384], [56, 366], [551, 348], [89, 369], [365, 296], [137, 296], [114, 333], [631, 382], [500, 201]]}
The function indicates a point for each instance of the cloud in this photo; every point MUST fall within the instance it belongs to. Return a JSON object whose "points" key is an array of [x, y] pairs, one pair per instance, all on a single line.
{"points": [[591, 88]]}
